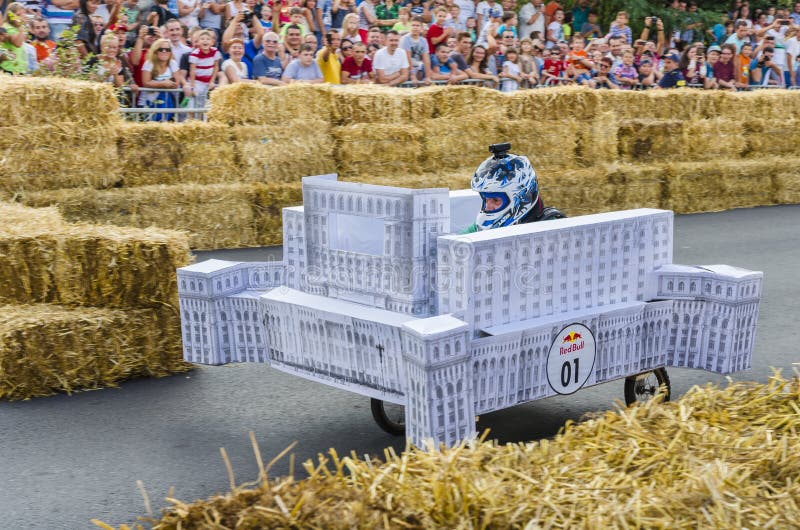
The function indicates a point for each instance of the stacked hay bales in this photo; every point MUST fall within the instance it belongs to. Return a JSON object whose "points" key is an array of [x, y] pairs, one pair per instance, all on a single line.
{"points": [[84, 306], [70, 126], [717, 458]]}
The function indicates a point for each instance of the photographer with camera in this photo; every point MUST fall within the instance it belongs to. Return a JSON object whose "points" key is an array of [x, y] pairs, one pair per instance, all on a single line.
{"points": [[247, 29], [766, 72], [328, 58], [649, 23], [137, 56]]}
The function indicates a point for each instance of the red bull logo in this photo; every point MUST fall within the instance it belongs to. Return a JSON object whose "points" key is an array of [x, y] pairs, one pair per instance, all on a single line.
{"points": [[575, 341]]}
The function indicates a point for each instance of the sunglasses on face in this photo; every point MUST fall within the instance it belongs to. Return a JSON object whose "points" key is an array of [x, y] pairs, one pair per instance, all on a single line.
{"points": [[345, 48], [160, 50]]}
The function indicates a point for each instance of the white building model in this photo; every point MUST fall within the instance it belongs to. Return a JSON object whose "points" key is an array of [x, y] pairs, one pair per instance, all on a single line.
{"points": [[375, 297]]}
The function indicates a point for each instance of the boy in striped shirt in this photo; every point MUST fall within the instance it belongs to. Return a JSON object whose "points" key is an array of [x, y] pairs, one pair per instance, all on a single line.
{"points": [[203, 66]]}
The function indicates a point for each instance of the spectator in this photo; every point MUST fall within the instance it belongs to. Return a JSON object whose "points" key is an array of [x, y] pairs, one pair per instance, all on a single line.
{"points": [[578, 59], [403, 24], [293, 41], [234, 69], [626, 75], [268, 65], [158, 14], [620, 28], [315, 25], [189, 13], [660, 41], [615, 47], [553, 68], [58, 14], [358, 68], [159, 71], [251, 33], [724, 71], [454, 19], [466, 10], [232, 8], [479, 66], [444, 68], [375, 36], [339, 10], [527, 64], [391, 65], [509, 22], [40, 31], [296, 18], [691, 24], [693, 67], [92, 25], [437, 33], [591, 29], [418, 52], [174, 33], [510, 77], [303, 69], [106, 66], [388, 14], [580, 15], [765, 71], [13, 56], [740, 35], [366, 17], [210, 15], [462, 50], [531, 18], [328, 58], [776, 33], [743, 65], [603, 77], [138, 54], [372, 49], [204, 61], [792, 52], [350, 29], [555, 30], [486, 11], [672, 78], [324, 15], [795, 14], [647, 74]]}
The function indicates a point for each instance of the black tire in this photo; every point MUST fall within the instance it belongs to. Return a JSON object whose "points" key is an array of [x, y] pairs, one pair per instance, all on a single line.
{"points": [[642, 387], [389, 417]]}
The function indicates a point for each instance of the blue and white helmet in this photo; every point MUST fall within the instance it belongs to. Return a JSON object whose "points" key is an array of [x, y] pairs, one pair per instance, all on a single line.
{"points": [[511, 179]]}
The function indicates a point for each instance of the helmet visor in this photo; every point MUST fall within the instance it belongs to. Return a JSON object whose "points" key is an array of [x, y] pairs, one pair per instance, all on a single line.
{"points": [[494, 201]]}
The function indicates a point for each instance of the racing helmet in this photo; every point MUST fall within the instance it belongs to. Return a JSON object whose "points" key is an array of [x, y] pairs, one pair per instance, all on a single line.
{"points": [[509, 178]]}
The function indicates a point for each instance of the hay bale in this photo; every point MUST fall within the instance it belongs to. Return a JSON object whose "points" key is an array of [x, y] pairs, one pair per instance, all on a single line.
{"points": [[175, 153], [648, 139], [721, 185], [268, 202], [459, 143], [598, 141], [53, 100], [460, 101], [60, 155], [18, 219], [380, 104], [286, 153], [377, 149], [83, 265], [770, 136], [711, 138], [256, 104], [46, 349], [549, 144], [568, 102], [787, 186], [215, 215], [635, 186]]}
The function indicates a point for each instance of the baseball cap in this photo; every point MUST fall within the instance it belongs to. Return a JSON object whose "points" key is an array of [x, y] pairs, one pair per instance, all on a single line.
{"points": [[672, 57], [713, 48]]}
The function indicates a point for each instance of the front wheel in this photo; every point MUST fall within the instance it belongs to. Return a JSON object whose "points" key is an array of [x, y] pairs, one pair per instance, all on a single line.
{"points": [[643, 387], [389, 417]]}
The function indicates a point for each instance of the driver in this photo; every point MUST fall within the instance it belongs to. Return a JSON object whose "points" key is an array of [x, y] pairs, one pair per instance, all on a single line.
{"points": [[509, 191]]}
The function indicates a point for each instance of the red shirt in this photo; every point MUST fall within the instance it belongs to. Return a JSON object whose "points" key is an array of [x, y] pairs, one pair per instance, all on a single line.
{"points": [[357, 72], [553, 67], [433, 31], [43, 48], [136, 70]]}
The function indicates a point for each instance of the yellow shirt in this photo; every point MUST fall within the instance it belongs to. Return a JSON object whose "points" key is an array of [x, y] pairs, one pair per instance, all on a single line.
{"points": [[331, 69]]}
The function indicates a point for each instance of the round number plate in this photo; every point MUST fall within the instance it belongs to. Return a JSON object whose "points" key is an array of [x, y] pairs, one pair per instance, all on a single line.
{"points": [[571, 359]]}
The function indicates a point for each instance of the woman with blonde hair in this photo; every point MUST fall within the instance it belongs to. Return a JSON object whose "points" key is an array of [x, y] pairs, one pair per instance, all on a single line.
{"points": [[107, 66], [13, 57], [159, 71], [350, 28]]}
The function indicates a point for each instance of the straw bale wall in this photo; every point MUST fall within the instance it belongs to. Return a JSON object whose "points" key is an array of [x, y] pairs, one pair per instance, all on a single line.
{"points": [[84, 306], [225, 181]]}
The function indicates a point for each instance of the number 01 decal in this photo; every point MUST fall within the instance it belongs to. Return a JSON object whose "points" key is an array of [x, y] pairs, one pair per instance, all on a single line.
{"points": [[571, 359]]}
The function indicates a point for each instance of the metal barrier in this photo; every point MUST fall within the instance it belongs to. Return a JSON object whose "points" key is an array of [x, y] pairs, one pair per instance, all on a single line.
{"points": [[162, 114]]}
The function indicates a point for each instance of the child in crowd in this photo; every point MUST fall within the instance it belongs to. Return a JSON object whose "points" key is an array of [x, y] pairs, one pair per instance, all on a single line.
{"points": [[203, 67], [454, 19], [472, 28], [437, 32], [620, 27], [626, 73], [555, 30], [553, 68], [402, 25], [297, 17], [510, 77], [578, 59]]}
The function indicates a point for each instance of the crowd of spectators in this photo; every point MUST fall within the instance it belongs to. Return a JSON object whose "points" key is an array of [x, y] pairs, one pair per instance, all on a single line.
{"points": [[185, 48]]}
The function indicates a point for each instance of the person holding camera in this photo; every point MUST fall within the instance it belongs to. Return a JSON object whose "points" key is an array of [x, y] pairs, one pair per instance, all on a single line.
{"points": [[244, 27], [159, 13], [649, 23], [766, 72], [328, 58]]}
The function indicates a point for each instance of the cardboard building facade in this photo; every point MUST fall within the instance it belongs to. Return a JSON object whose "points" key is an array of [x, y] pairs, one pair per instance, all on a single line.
{"points": [[377, 294]]}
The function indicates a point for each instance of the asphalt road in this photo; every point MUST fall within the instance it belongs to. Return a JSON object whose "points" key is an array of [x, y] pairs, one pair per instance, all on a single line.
{"points": [[67, 459]]}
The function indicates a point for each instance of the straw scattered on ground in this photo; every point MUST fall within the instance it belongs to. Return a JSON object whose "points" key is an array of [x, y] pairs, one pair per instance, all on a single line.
{"points": [[716, 458]]}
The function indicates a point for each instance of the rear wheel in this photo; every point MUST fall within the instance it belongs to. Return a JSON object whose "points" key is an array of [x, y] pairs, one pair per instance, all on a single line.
{"points": [[643, 387], [389, 416]]}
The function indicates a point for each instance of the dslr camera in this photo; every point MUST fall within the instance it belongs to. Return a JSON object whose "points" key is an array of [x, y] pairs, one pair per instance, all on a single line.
{"points": [[151, 30], [653, 21], [247, 18]]}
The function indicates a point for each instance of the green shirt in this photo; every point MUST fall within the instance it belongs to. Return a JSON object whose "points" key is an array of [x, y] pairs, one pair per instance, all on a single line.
{"points": [[387, 13], [471, 229], [19, 64]]}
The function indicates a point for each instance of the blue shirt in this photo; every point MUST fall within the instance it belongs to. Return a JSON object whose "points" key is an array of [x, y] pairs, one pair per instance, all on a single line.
{"points": [[672, 79], [295, 70], [444, 68], [263, 66]]}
